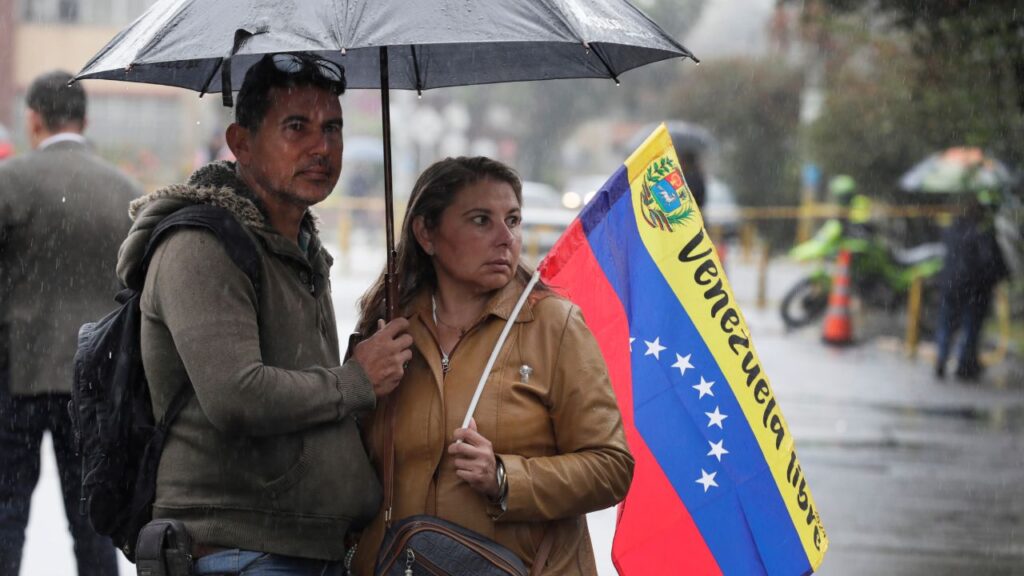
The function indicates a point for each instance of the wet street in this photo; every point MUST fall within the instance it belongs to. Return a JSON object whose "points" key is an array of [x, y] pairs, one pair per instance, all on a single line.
{"points": [[912, 475]]}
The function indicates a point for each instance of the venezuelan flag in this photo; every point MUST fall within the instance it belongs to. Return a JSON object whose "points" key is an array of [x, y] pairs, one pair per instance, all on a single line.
{"points": [[718, 488]]}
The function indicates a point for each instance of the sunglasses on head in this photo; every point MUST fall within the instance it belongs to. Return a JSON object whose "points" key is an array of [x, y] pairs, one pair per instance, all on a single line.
{"points": [[295, 64]]}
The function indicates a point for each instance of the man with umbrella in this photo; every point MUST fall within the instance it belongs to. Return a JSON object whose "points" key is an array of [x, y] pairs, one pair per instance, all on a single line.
{"points": [[264, 465]]}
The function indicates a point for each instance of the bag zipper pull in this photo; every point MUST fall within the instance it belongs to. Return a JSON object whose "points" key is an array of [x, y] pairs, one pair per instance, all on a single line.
{"points": [[410, 557]]}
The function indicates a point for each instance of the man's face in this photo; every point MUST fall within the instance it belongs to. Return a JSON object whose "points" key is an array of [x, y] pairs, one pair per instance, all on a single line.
{"points": [[295, 155]]}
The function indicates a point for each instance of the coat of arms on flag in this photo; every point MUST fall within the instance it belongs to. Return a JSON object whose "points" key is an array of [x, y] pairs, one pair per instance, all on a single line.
{"points": [[718, 488], [666, 198]]}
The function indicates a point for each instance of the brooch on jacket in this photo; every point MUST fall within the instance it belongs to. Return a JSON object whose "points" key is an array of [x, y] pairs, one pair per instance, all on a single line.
{"points": [[524, 373]]}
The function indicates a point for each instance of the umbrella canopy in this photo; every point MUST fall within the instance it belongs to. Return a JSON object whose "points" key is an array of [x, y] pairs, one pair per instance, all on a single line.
{"points": [[204, 44], [956, 171], [434, 43]]}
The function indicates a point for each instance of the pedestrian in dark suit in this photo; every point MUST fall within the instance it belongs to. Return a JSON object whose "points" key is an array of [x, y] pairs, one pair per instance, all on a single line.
{"points": [[62, 218]]}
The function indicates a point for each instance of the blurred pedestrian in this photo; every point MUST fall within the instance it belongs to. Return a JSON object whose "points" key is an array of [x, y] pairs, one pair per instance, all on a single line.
{"points": [[973, 266], [216, 148], [62, 216], [693, 173], [6, 146]]}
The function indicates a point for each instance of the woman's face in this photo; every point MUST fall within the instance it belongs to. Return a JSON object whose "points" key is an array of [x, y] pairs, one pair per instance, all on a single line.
{"points": [[476, 244]]}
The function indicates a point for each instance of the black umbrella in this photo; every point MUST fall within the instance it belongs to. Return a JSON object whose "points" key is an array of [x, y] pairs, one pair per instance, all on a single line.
{"points": [[203, 44]]}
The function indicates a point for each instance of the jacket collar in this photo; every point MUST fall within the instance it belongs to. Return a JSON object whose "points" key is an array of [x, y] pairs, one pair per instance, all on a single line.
{"points": [[500, 304], [215, 184], [62, 138], [218, 184]]}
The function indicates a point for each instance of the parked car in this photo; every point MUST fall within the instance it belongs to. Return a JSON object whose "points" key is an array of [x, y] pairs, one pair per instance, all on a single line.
{"points": [[720, 208], [544, 218], [581, 189]]}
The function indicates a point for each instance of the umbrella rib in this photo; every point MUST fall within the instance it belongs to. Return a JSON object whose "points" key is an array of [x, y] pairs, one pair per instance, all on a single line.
{"points": [[557, 13], [209, 79], [614, 76], [669, 37], [416, 70]]}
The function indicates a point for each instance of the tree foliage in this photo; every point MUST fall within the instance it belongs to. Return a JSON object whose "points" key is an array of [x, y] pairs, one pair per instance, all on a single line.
{"points": [[908, 77], [547, 112], [752, 107]]}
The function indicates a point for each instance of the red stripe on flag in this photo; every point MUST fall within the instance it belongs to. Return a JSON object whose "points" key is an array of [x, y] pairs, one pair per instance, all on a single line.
{"points": [[655, 532]]}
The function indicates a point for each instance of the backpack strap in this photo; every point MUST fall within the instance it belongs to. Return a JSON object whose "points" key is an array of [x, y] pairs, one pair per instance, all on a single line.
{"points": [[164, 549], [239, 246]]}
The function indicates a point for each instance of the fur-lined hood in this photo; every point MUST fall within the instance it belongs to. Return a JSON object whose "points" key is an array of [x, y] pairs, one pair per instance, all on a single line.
{"points": [[215, 184]]}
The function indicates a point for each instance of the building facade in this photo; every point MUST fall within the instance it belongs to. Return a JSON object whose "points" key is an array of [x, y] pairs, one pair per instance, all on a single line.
{"points": [[152, 132]]}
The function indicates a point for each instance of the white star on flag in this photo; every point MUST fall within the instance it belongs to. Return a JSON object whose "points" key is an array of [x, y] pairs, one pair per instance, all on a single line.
{"points": [[717, 450], [631, 340], [715, 418], [654, 348], [704, 388], [707, 480], [683, 363]]}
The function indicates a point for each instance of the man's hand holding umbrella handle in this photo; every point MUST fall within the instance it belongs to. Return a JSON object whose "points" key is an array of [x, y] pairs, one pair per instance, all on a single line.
{"points": [[385, 355]]}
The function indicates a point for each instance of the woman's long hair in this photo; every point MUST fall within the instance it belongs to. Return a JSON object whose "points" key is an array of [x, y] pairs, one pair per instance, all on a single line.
{"points": [[434, 191]]}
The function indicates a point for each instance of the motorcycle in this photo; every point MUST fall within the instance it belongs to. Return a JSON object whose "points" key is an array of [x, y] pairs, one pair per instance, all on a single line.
{"points": [[880, 276]]}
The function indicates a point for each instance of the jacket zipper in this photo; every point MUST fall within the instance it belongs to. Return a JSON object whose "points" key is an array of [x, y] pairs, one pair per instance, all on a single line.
{"points": [[446, 359]]}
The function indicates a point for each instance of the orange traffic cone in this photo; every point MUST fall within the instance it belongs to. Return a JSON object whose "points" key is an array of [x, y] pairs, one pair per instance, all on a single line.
{"points": [[837, 319]]}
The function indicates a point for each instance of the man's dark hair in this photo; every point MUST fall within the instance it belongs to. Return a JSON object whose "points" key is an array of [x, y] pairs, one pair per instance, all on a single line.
{"points": [[254, 96], [57, 103]]}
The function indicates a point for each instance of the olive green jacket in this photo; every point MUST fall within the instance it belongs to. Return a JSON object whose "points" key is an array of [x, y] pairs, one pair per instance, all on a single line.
{"points": [[266, 456]]}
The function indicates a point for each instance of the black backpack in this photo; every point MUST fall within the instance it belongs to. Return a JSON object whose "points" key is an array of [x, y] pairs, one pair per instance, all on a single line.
{"points": [[115, 432]]}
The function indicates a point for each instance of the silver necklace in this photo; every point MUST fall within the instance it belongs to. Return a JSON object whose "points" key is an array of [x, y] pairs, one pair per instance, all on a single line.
{"points": [[445, 361]]}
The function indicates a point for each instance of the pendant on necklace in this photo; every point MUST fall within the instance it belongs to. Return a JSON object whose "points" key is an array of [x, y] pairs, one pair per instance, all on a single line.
{"points": [[444, 364]]}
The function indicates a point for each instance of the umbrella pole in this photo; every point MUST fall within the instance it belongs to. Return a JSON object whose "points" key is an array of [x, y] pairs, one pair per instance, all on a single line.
{"points": [[391, 290]]}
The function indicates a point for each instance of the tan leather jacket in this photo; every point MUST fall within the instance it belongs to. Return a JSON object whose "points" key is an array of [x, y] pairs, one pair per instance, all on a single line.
{"points": [[555, 425]]}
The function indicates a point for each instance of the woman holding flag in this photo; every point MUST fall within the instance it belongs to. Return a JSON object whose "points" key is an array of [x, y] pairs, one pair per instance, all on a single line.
{"points": [[546, 443]]}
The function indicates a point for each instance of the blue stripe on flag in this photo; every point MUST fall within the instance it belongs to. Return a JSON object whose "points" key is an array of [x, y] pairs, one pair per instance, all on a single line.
{"points": [[671, 416]]}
